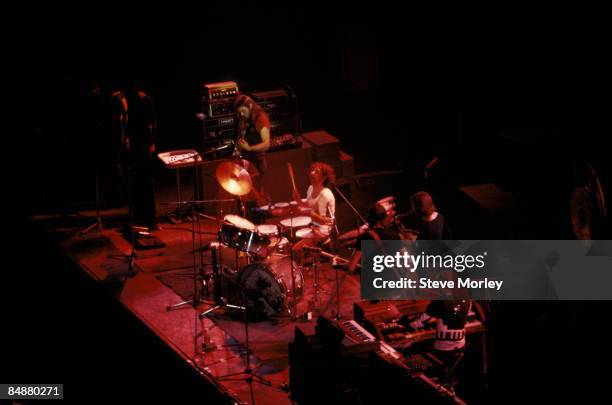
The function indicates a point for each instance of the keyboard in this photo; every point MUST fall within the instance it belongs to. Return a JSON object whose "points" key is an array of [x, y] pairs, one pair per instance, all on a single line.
{"points": [[179, 158]]}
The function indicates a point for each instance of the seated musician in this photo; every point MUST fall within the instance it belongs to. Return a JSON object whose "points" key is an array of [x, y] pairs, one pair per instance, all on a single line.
{"points": [[321, 202], [381, 220], [319, 197], [450, 318]]}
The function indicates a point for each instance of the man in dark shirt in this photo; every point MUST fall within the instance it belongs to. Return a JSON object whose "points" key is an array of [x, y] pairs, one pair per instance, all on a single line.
{"points": [[140, 144], [381, 219], [432, 224]]}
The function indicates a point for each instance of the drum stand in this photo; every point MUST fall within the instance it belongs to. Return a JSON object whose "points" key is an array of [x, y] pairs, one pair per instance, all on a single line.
{"points": [[294, 316], [317, 290], [293, 307], [197, 276], [336, 264], [196, 292]]}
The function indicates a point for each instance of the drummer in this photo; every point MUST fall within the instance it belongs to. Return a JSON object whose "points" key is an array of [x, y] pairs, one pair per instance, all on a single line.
{"points": [[321, 202], [319, 197]]}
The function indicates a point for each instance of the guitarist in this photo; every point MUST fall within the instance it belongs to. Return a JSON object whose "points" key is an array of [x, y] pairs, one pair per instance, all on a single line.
{"points": [[254, 139]]}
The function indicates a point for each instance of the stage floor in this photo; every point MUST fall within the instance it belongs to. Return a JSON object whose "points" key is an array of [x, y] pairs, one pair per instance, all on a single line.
{"points": [[164, 276]]}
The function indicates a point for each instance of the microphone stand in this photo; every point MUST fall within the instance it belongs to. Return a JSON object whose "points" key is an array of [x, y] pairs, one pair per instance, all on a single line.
{"points": [[98, 128], [196, 293], [350, 205], [335, 234], [294, 316], [249, 373], [98, 222]]}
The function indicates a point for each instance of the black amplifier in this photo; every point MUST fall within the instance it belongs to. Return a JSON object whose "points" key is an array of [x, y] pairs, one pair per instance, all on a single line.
{"points": [[277, 103], [220, 127], [218, 108], [218, 100], [221, 121]]}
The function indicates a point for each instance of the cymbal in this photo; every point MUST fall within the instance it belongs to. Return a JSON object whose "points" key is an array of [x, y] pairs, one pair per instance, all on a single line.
{"points": [[234, 178]]}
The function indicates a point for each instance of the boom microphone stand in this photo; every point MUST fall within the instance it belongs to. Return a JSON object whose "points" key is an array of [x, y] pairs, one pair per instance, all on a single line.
{"points": [[350, 205], [98, 223], [248, 374], [98, 130], [196, 292], [335, 234]]}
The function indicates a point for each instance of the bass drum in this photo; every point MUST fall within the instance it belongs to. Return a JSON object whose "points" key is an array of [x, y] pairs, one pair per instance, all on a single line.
{"points": [[267, 286]]}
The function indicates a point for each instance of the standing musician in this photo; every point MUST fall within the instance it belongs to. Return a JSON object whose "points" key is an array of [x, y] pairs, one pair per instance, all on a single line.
{"points": [[254, 139], [142, 132], [135, 124]]}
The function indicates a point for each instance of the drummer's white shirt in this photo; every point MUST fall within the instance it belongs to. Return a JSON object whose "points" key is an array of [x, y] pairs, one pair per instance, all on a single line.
{"points": [[321, 203]]}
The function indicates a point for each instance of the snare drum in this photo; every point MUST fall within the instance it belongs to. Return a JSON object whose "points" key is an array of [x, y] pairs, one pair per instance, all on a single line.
{"points": [[278, 243]]}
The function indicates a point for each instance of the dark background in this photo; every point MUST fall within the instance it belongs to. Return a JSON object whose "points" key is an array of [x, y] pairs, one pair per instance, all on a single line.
{"points": [[503, 96], [499, 97]]}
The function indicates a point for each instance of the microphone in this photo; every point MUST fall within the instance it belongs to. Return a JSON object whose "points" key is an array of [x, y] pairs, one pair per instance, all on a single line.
{"points": [[215, 149], [398, 216], [432, 163]]}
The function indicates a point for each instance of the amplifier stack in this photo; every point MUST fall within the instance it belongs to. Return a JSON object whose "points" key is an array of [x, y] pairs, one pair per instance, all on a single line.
{"points": [[220, 124]]}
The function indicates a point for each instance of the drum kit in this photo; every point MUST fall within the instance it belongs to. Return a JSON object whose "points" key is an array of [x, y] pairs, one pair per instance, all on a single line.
{"points": [[253, 265]]}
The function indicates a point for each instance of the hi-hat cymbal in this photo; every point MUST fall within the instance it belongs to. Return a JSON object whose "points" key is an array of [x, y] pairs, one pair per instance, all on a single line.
{"points": [[234, 178]]}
